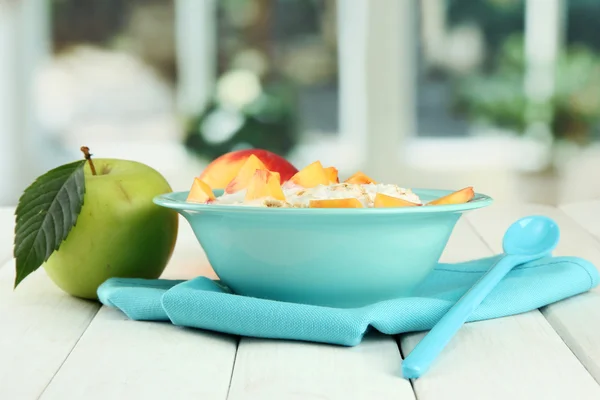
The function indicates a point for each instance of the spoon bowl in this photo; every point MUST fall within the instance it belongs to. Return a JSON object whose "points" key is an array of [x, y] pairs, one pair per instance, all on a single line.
{"points": [[531, 236]]}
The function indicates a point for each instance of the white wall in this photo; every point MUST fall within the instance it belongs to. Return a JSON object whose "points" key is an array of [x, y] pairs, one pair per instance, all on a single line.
{"points": [[11, 127]]}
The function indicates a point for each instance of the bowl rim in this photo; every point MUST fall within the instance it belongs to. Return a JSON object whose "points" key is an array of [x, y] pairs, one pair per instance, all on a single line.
{"points": [[173, 200]]}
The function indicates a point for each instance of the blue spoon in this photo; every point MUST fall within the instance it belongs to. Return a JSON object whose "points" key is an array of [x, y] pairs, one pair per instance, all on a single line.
{"points": [[527, 239]]}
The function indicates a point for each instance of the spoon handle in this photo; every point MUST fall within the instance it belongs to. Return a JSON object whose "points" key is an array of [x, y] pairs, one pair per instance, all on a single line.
{"points": [[419, 360]]}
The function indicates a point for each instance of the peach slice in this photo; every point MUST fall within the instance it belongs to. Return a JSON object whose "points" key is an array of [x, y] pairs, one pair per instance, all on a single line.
{"points": [[359, 178], [200, 192], [244, 175], [264, 183], [310, 176], [336, 203], [332, 174], [383, 200], [461, 196]]}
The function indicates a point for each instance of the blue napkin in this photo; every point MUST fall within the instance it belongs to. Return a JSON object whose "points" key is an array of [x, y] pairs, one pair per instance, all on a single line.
{"points": [[207, 304]]}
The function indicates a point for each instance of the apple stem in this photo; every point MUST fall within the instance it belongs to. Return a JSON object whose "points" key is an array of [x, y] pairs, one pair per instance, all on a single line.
{"points": [[88, 157]]}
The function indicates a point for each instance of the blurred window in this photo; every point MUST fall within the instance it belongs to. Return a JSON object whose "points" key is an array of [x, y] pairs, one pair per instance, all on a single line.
{"points": [[461, 42], [115, 73]]}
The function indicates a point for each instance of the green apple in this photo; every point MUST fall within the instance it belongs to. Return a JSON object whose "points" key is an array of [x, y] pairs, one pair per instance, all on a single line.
{"points": [[119, 232]]}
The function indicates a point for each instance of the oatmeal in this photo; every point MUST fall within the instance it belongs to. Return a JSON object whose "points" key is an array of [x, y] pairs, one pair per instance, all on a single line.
{"points": [[298, 196]]}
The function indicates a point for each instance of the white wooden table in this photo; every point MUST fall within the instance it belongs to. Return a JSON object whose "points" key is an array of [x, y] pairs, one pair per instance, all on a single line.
{"points": [[53, 346]]}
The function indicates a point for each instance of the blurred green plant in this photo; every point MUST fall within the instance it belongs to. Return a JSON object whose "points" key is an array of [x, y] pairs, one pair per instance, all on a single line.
{"points": [[245, 113], [499, 97], [499, 17]]}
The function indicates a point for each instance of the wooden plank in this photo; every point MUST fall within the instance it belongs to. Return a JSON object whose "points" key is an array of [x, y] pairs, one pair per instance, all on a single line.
{"points": [[40, 326], [576, 320], [586, 214], [517, 357], [122, 359], [273, 370]]}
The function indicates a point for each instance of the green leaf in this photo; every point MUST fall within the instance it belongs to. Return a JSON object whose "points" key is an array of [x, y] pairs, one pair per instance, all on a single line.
{"points": [[46, 212]]}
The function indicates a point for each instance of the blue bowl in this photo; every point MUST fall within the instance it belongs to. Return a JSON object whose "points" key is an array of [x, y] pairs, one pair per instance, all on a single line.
{"points": [[346, 257]]}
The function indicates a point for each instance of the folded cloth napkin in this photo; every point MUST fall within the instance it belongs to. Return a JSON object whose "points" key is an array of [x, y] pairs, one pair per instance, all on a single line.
{"points": [[207, 304]]}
